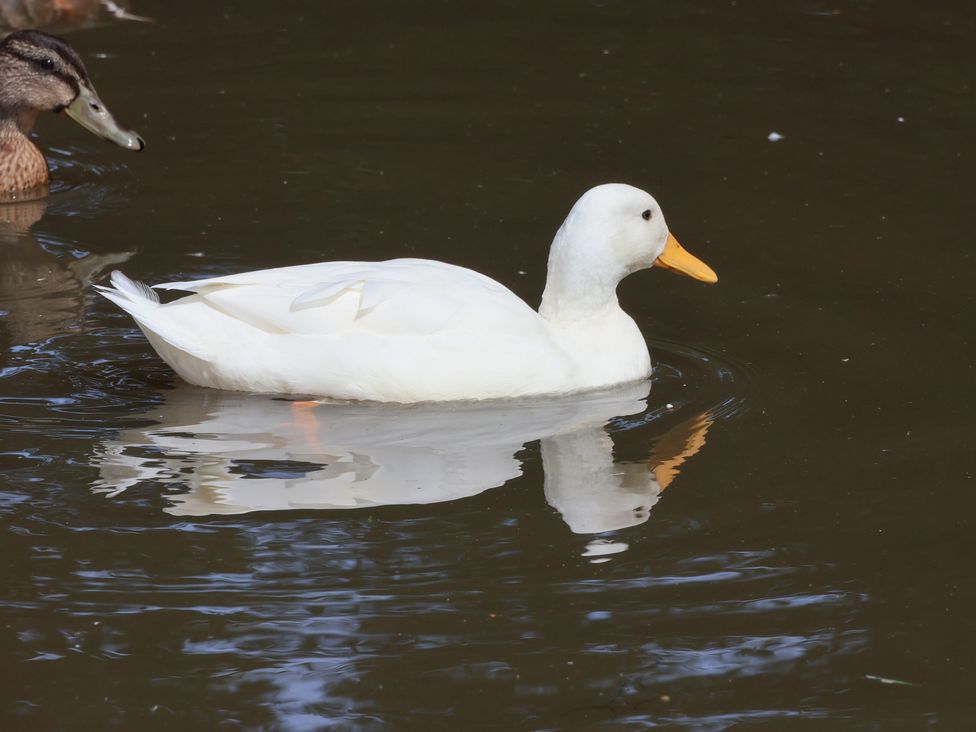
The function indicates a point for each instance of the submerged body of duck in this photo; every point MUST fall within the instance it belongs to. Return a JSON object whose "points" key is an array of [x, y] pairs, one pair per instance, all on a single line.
{"points": [[411, 330]]}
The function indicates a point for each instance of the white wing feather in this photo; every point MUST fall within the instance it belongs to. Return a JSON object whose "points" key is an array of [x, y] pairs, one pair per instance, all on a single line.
{"points": [[400, 297]]}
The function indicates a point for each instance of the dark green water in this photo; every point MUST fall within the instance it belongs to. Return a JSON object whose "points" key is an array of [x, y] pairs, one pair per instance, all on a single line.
{"points": [[180, 558]]}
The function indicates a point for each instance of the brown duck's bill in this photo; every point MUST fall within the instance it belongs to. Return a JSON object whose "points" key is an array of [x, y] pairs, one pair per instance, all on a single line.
{"points": [[91, 113], [676, 258]]}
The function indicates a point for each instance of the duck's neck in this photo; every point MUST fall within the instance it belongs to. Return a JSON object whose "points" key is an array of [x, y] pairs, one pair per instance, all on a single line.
{"points": [[22, 165], [578, 287]]}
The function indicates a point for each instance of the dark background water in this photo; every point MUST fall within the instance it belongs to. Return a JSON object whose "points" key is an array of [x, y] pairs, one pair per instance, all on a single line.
{"points": [[816, 545]]}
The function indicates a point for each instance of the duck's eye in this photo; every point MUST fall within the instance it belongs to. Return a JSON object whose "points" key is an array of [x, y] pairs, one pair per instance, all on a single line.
{"points": [[47, 64], [646, 215]]}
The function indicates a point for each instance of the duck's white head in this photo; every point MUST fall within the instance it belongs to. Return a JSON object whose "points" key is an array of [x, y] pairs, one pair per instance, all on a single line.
{"points": [[612, 231]]}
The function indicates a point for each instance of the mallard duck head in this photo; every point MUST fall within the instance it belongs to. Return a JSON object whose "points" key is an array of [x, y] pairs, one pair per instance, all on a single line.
{"points": [[42, 73]]}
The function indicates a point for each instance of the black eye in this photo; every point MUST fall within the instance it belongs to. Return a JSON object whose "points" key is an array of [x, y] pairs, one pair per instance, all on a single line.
{"points": [[47, 64], [646, 215]]}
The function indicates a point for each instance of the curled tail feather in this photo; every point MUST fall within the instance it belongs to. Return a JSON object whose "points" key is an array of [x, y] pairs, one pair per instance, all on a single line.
{"points": [[142, 303], [133, 289]]}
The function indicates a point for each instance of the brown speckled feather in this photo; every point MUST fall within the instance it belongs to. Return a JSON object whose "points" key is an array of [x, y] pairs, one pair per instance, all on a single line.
{"points": [[22, 165]]}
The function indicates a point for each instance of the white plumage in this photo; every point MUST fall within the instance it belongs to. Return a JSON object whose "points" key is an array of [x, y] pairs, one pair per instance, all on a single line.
{"points": [[410, 330]]}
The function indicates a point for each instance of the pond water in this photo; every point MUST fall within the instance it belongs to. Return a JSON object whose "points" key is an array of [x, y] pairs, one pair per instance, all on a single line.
{"points": [[777, 531]]}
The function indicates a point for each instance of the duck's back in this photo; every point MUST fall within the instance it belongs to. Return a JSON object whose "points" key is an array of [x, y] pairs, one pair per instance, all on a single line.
{"points": [[400, 297]]}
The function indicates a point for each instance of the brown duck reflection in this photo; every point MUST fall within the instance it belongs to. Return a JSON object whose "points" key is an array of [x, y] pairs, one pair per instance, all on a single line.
{"points": [[237, 453], [41, 295]]}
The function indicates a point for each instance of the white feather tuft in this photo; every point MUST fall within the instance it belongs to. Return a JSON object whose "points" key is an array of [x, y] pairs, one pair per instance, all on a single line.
{"points": [[133, 289]]}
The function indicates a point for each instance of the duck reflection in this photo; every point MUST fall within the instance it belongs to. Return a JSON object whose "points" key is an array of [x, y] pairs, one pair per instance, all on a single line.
{"points": [[41, 295], [237, 453]]}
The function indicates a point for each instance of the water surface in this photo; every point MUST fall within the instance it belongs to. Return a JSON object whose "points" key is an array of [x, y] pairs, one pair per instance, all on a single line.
{"points": [[773, 534]]}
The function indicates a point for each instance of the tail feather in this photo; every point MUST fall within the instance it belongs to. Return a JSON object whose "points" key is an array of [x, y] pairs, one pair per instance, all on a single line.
{"points": [[142, 303], [133, 289], [130, 295]]}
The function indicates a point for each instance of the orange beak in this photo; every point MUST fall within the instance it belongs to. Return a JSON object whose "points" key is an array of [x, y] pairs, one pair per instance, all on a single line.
{"points": [[676, 258]]}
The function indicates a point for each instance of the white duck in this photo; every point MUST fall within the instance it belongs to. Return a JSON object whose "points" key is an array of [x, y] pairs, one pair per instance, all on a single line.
{"points": [[412, 330]]}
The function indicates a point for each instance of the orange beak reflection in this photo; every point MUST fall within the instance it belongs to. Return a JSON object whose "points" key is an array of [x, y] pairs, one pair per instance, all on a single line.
{"points": [[676, 258]]}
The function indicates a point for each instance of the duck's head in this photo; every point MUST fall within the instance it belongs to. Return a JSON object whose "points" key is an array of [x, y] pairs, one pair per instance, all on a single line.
{"points": [[622, 226], [42, 73]]}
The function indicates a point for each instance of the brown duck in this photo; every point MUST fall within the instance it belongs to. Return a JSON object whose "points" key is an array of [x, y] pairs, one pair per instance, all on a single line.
{"points": [[62, 15], [42, 73]]}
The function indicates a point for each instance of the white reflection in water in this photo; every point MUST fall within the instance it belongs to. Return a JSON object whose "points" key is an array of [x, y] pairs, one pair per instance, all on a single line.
{"points": [[237, 453]]}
